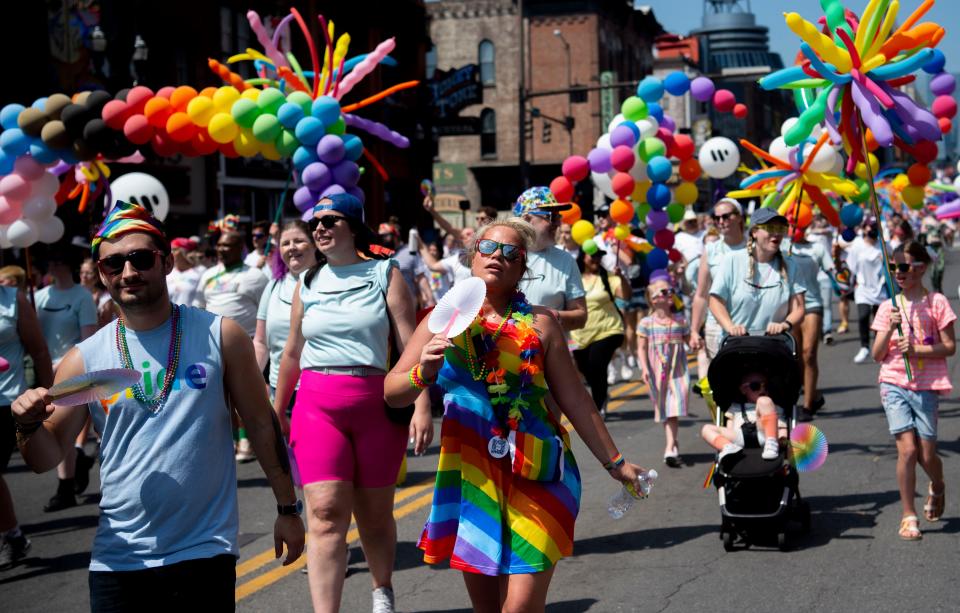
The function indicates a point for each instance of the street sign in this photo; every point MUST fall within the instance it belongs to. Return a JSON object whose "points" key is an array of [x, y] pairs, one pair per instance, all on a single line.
{"points": [[455, 89], [608, 98], [449, 175]]}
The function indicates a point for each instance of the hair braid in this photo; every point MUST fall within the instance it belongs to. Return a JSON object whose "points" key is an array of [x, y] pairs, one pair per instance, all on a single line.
{"points": [[751, 258]]}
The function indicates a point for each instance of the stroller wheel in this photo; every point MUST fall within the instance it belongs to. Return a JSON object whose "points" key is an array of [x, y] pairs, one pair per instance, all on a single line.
{"points": [[727, 541], [782, 541]]}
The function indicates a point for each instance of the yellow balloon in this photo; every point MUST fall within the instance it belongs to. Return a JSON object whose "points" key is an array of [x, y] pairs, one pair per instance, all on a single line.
{"points": [[861, 169], [200, 110], [686, 193], [245, 144], [582, 230], [823, 45], [222, 128], [622, 232], [224, 98], [913, 196], [640, 190], [269, 151], [251, 93], [901, 181]]}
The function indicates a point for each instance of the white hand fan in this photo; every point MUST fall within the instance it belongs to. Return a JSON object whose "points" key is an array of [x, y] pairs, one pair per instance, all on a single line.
{"points": [[458, 307], [92, 386]]}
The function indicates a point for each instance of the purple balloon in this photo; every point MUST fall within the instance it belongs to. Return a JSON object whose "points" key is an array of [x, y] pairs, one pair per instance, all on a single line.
{"points": [[949, 211], [943, 84], [657, 220], [702, 89], [333, 189], [317, 176], [668, 123], [622, 136], [307, 215], [357, 193], [599, 159], [304, 199], [330, 149], [346, 174]]}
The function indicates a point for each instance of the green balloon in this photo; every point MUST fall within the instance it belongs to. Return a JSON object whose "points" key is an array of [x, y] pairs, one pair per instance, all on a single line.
{"points": [[642, 209], [302, 99], [589, 246], [270, 100], [863, 194], [286, 143], [266, 128], [650, 148], [245, 112], [634, 108], [675, 212], [338, 127]]}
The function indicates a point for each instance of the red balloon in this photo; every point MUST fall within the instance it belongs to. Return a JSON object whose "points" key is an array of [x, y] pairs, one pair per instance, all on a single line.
{"points": [[724, 100], [202, 143], [137, 129], [925, 151], [690, 169], [945, 125], [137, 98], [666, 136], [663, 238], [163, 145], [682, 148], [115, 114], [228, 150], [562, 189], [576, 168], [919, 174], [674, 255], [622, 158], [622, 184], [740, 110], [944, 106]]}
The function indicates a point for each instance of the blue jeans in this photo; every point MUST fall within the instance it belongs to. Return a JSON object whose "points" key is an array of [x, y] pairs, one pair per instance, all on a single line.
{"points": [[206, 584], [826, 295]]}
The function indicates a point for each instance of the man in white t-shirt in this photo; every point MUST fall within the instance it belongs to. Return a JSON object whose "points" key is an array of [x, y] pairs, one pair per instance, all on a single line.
{"points": [[452, 264], [184, 279], [258, 257], [231, 288], [689, 240], [865, 261]]}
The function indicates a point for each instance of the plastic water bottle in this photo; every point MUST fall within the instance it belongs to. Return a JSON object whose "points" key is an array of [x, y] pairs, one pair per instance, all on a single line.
{"points": [[629, 494], [413, 241]]}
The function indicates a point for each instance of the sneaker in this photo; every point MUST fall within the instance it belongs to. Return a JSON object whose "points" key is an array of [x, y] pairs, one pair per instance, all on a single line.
{"points": [[771, 449], [729, 449], [245, 451], [632, 361], [60, 501], [383, 601], [828, 338], [626, 372], [862, 357], [611, 375], [81, 478], [672, 459], [12, 550]]}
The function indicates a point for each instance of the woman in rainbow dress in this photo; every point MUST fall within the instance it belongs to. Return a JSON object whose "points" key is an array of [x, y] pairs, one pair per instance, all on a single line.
{"points": [[508, 489]]}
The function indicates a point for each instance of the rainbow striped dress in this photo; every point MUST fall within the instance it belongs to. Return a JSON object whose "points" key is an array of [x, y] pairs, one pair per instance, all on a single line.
{"points": [[484, 518]]}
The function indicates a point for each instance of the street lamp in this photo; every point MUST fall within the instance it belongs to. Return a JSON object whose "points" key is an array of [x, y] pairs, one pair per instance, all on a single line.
{"points": [[138, 62], [569, 123], [98, 48]]}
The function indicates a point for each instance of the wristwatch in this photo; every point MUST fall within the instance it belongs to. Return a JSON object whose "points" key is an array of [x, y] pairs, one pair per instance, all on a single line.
{"points": [[290, 509]]}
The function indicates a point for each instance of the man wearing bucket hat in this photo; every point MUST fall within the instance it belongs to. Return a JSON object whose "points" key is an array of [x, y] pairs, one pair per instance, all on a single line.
{"points": [[552, 278]]}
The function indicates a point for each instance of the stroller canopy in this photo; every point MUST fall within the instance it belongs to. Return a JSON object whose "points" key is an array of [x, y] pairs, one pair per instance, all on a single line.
{"points": [[774, 356]]}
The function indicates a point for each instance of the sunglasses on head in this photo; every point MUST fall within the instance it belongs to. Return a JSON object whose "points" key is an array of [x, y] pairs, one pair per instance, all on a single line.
{"points": [[903, 267], [141, 259], [327, 221], [755, 386], [489, 247], [724, 216]]}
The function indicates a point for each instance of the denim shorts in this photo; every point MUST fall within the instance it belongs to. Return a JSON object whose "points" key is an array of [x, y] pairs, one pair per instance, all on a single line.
{"points": [[908, 410]]}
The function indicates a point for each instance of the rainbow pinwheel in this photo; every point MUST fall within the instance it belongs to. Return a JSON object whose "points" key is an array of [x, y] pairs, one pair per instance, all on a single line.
{"points": [[857, 71], [784, 184]]}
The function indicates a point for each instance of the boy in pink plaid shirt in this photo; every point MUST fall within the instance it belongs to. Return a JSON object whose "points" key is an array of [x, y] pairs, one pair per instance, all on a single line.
{"points": [[928, 339]]}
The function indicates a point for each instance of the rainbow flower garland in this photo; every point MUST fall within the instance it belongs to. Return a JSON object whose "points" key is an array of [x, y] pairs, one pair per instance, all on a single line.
{"points": [[486, 366]]}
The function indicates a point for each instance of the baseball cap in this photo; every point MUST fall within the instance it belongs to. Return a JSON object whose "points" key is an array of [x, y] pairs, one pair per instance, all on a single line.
{"points": [[347, 204], [765, 216], [187, 244], [538, 201]]}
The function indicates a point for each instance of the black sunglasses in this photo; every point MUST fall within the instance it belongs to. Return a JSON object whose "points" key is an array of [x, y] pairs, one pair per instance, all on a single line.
{"points": [[327, 221], [141, 259], [663, 293], [903, 267], [724, 216], [489, 247], [258, 235], [756, 386]]}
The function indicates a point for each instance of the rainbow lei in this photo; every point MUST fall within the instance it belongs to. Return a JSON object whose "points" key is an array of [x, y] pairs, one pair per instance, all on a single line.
{"points": [[486, 365]]}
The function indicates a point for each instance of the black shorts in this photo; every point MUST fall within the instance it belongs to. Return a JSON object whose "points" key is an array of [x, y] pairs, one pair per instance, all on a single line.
{"points": [[8, 436]]}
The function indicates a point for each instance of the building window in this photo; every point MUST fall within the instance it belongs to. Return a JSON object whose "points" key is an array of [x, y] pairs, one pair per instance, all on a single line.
{"points": [[431, 61], [488, 71], [488, 133]]}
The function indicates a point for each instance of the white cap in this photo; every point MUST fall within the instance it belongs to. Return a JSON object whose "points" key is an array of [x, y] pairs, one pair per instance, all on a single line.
{"points": [[689, 215]]}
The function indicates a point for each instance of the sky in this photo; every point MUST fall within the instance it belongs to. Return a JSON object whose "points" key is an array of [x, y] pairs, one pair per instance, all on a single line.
{"points": [[675, 15]]}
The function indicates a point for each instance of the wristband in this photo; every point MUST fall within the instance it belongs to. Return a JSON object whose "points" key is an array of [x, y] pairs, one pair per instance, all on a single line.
{"points": [[416, 379], [616, 462], [789, 324]]}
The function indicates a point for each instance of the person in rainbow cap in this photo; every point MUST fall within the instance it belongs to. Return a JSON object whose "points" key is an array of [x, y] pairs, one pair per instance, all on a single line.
{"points": [[169, 520]]}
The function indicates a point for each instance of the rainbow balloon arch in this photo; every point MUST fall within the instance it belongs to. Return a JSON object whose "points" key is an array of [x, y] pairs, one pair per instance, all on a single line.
{"points": [[284, 113]]}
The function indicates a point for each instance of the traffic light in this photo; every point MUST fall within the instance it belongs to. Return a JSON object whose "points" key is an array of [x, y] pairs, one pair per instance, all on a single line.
{"points": [[545, 137], [527, 129]]}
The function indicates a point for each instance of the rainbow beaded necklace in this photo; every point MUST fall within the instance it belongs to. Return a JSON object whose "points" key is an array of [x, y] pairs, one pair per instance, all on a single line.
{"points": [[173, 359]]}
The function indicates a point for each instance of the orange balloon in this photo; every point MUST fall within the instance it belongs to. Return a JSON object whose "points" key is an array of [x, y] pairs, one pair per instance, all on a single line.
{"points": [[621, 211], [208, 92], [571, 215], [800, 218], [946, 124], [180, 128], [157, 111], [690, 169], [181, 97], [872, 143], [919, 174]]}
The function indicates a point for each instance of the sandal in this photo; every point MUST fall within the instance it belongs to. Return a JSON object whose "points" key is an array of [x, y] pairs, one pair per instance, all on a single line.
{"points": [[933, 509], [910, 528]]}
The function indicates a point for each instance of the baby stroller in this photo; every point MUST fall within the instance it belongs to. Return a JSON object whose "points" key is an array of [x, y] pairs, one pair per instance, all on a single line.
{"points": [[757, 497]]}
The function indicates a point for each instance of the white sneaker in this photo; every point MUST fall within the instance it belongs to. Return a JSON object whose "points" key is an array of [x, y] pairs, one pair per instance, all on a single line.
{"points": [[632, 361], [862, 357], [729, 449], [383, 601], [626, 373], [771, 449], [245, 451], [611, 375]]}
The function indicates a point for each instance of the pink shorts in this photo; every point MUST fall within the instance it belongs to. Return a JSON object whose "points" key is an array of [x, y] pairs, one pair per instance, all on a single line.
{"points": [[340, 432]]}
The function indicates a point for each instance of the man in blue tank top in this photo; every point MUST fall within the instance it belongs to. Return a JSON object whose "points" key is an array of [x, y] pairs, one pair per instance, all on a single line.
{"points": [[168, 515]]}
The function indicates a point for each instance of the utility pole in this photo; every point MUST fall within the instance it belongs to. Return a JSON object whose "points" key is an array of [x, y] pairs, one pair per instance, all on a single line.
{"points": [[522, 107]]}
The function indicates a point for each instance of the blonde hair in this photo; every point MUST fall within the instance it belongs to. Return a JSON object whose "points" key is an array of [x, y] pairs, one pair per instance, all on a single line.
{"points": [[752, 259], [19, 275], [528, 236]]}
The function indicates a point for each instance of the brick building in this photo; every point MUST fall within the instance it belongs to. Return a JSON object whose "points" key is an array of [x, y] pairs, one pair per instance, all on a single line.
{"points": [[607, 42]]}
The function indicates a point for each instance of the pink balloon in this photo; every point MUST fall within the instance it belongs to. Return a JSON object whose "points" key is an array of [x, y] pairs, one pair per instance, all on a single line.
{"points": [[622, 158], [28, 168], [943, 106], [724, 100], [14, 187], [576, 168], [9, 211]]}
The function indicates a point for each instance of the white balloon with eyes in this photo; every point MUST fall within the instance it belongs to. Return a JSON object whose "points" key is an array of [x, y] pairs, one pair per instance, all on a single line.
{"points": [[143, 189]]}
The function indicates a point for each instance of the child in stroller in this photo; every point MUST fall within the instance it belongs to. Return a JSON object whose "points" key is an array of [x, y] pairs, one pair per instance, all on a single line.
{"points": [[757, 413]]}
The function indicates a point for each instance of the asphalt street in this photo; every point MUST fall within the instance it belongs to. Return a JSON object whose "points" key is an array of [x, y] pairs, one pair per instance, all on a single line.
{"points": [[664, 555]]}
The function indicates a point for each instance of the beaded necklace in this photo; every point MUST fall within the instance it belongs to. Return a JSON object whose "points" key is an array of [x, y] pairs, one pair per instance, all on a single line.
{"points": [[173, 359]]}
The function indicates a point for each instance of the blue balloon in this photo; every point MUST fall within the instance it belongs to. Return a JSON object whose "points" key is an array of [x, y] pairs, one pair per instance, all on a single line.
{"points": [[304, 156], [41, 153], [289, 114], [9, 114], [659, 169], [851, 215], [657, 258], [326, 109], [655, 110], [848, 234], [650, 234], [309, 131], [676, 83], [658, 196], [6, 163], [935, 64], [352, 146], [39, 103], [650, 89], [14, 142]]}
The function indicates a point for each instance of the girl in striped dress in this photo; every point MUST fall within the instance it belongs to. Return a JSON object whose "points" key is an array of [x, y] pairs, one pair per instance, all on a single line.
{"points": [[662, 336]]}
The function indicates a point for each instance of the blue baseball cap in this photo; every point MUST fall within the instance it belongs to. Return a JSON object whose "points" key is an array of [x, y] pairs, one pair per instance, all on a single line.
{"points": [[767, 216], [347, 204], [538, 201]]}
